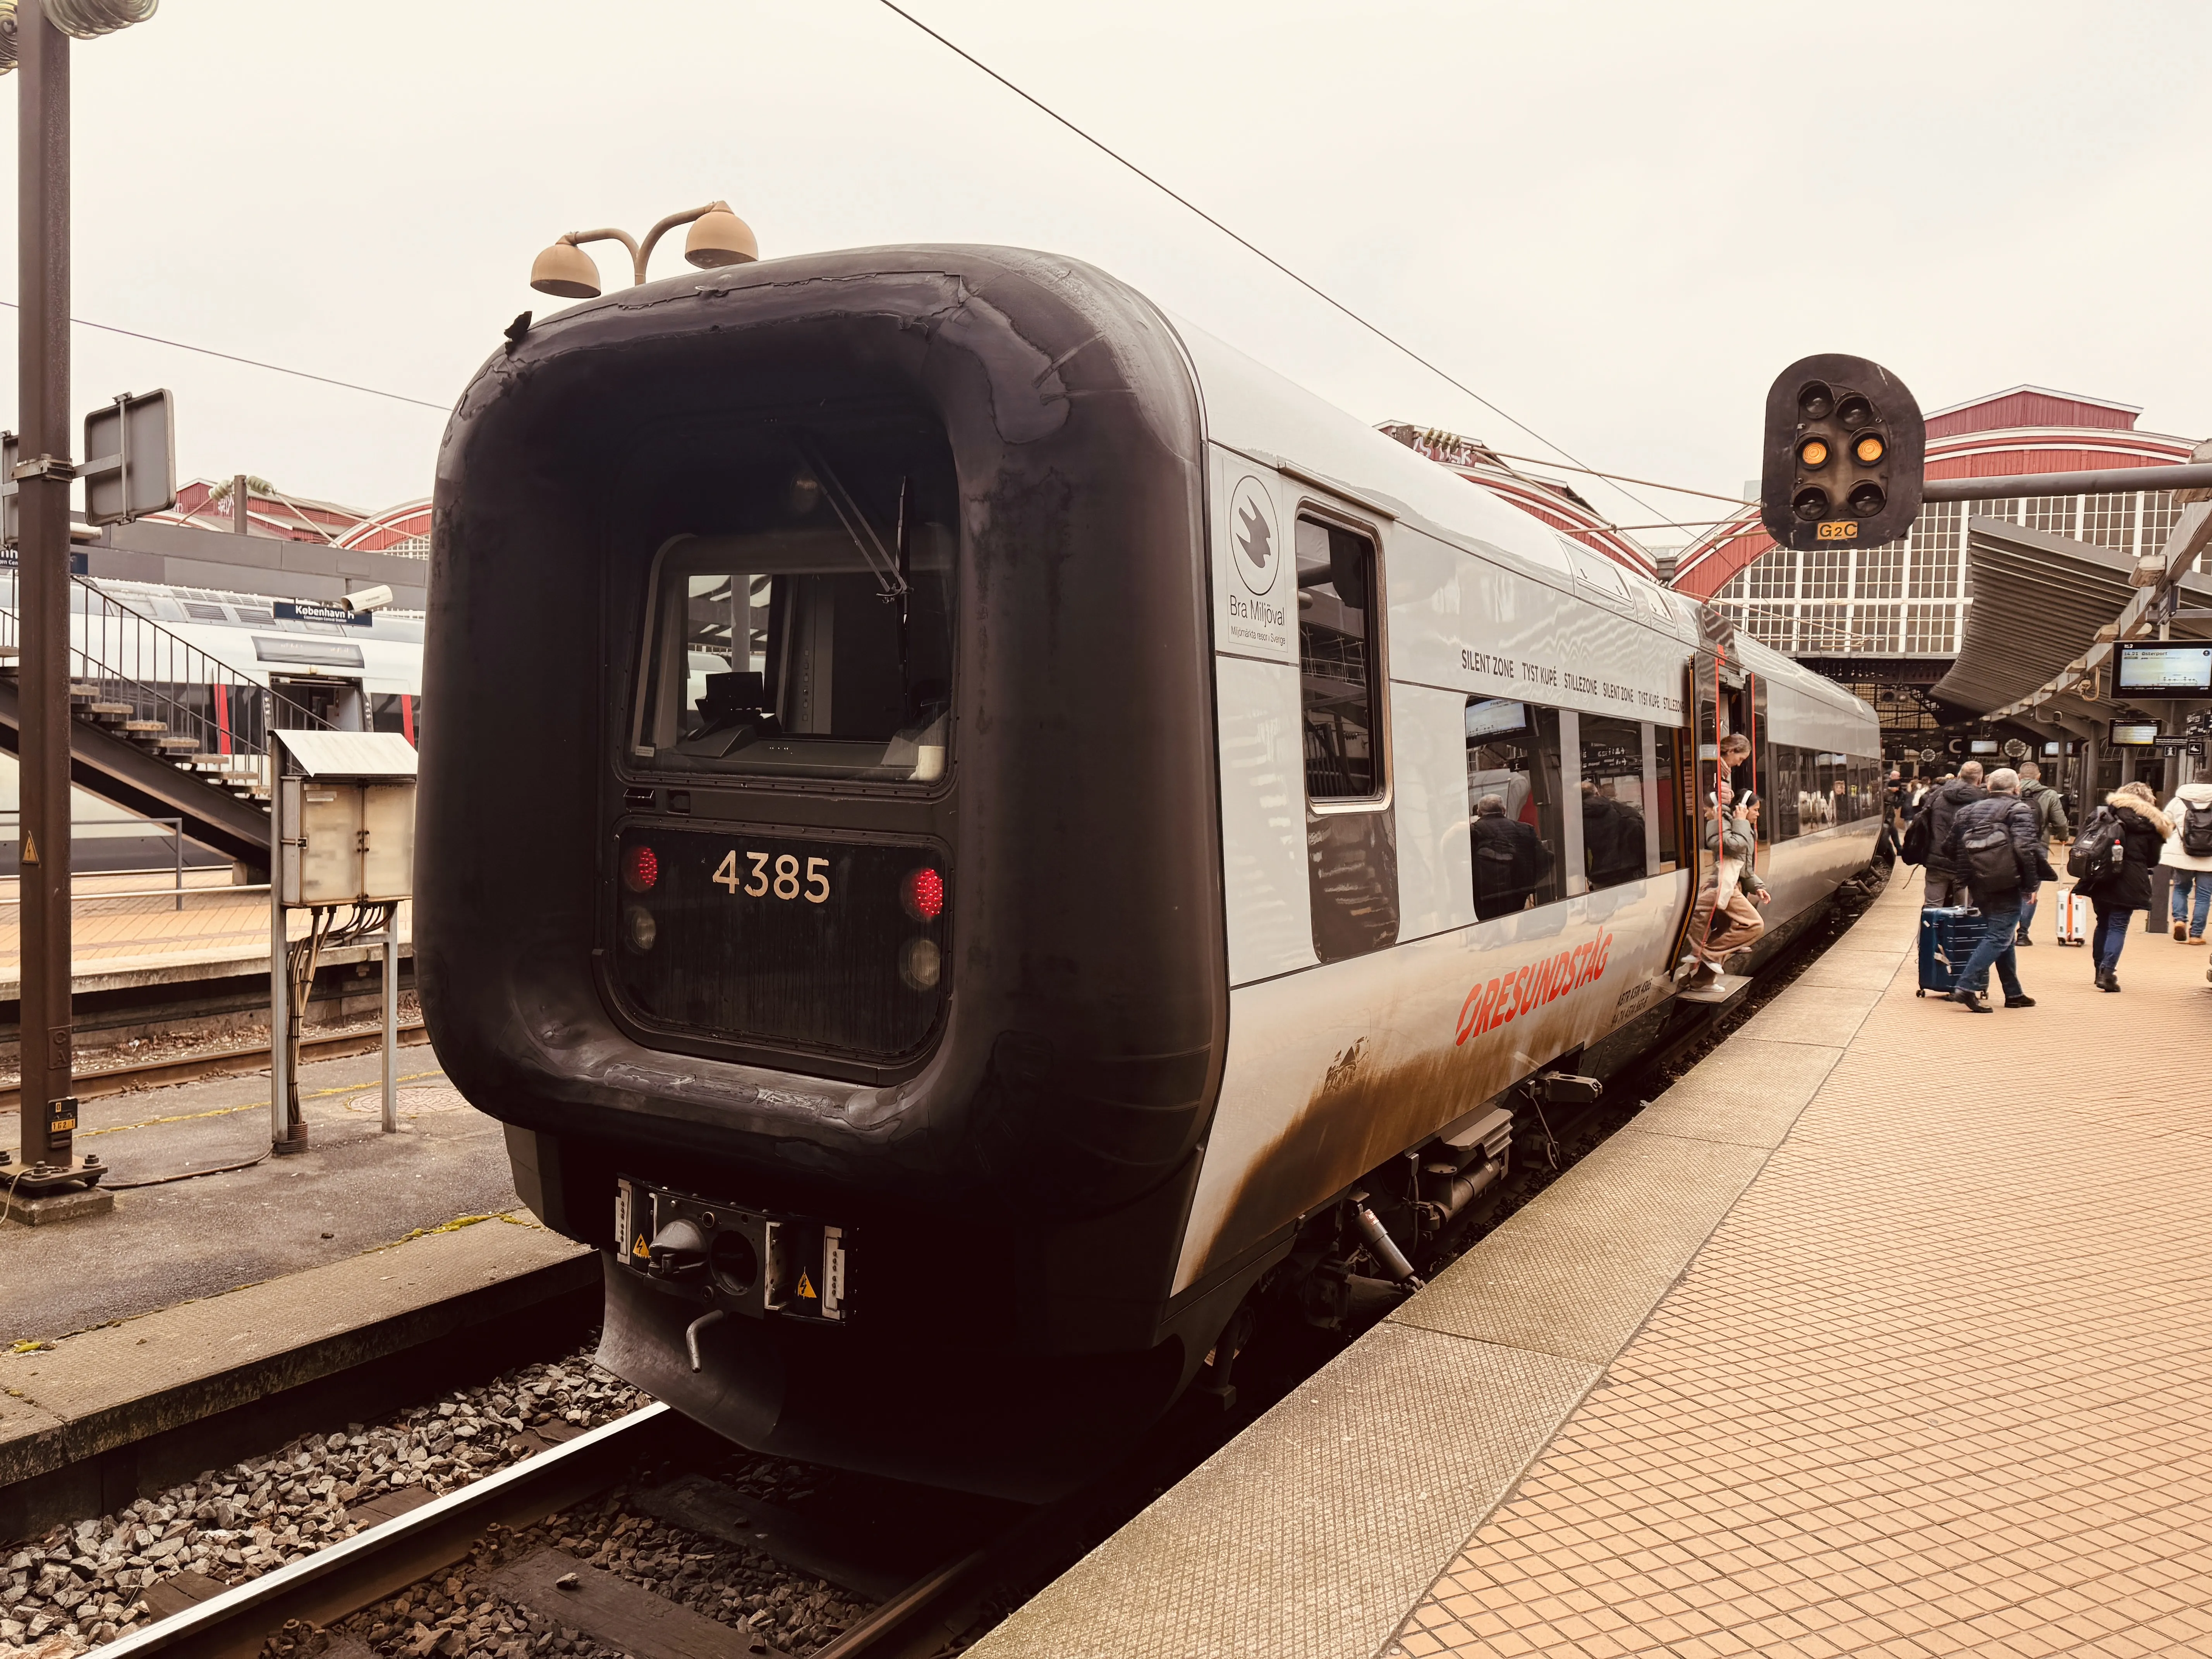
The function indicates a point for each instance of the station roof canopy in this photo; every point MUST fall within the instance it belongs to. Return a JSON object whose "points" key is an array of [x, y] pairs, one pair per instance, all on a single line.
{"points": [[2038, 602], [353, 755]]}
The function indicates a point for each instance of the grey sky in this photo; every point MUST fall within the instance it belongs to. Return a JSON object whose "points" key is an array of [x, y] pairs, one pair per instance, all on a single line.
{"points": [[1616, 221]]}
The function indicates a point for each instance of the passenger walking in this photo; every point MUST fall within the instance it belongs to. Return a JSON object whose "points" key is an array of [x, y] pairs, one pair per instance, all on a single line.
{"points": [[1993, 848], [2049, 825], [2188, 854], [1943, 885], [2121, 888]]}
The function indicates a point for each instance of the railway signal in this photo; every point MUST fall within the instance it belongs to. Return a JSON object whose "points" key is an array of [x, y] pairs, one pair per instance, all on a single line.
{"points": [[1842, 461]]}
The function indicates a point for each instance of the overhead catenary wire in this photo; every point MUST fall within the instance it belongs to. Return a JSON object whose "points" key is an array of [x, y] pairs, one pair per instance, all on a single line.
{"points": [[252, 363], [1249, 246]]}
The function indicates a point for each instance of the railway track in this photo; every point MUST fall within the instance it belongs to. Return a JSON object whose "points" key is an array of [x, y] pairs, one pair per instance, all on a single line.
{"points": [[227, 1063], [556, 1590]]}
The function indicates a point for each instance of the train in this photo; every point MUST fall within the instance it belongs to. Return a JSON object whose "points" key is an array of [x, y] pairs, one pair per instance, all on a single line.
{"points": [[989, 839]]}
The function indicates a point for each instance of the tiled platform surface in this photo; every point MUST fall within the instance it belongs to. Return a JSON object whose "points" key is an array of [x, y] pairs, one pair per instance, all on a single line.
{"points": [[1887, 1331]]}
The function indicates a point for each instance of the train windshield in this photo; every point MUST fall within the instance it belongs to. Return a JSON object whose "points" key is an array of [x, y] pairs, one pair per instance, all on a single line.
{"points": [[818, 645]]}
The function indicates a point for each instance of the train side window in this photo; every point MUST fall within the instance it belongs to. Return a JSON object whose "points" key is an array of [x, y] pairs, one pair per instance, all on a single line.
{"points": [[1513, 779], [1613, 801], [1785, 791], [1337, 666], [1665, 793]]}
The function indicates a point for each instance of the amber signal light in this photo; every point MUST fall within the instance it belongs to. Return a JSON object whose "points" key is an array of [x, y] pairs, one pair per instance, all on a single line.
{"points": [[1813, 454], [1869, 448]]}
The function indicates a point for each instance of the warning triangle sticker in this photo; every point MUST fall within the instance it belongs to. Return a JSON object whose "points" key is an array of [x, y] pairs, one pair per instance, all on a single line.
{"points": [[30, 848], [806, 1286], [639, 1251]]}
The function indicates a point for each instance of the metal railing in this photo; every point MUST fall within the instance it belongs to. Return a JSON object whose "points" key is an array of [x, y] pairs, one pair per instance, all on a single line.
{"points": [[122, 657], [174, 828]]}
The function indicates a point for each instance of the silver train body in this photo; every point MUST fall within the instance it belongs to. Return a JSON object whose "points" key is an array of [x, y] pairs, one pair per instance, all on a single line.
{"points": [[1255, 809]]}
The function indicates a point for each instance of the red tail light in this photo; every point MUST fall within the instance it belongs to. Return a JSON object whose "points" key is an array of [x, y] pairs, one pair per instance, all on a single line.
{"points": [[923, 894], [640, 869]]}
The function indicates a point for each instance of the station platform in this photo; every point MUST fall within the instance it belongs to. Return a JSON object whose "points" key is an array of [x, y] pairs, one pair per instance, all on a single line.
{"points": [[354, 1188], [208, 1319], [130, 929], [1884, 1330]]}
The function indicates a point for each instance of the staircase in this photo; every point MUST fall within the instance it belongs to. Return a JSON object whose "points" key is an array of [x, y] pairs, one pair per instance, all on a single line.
{"points": [[157, 725]]}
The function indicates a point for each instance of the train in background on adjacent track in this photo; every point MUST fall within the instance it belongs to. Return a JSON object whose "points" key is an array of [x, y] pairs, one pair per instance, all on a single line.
{"points": [[994, 836]]}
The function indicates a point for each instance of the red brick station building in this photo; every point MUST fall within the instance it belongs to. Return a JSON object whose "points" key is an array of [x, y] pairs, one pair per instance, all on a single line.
{"points": [[1889, 621]]}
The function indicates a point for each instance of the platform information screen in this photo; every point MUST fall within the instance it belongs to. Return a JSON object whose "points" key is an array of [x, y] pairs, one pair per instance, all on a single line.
{"points": [[2157, 668], [2135, 734]]}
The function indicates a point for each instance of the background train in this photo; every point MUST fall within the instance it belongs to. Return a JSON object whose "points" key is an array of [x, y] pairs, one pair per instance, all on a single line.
{"points": [[957, 871]]}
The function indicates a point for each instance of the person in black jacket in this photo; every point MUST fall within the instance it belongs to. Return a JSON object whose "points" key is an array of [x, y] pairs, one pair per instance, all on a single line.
{"points": [[2125, 890], [1941, 806], [1511, 860], [1994, 847]]}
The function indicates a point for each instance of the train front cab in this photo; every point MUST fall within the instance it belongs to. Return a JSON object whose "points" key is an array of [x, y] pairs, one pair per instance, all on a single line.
{"points": [[833, 913]]}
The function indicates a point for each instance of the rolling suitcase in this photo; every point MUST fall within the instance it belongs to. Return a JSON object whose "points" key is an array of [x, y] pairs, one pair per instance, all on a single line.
{"points": [[2074, 918], [1947, 938]]}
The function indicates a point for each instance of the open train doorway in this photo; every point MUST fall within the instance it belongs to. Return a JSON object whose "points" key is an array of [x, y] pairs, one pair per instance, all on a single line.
{"points": [[332, 698]]}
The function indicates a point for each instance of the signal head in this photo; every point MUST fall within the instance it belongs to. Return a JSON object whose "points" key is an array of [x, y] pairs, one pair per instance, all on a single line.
{"points": [[1831, 408]]}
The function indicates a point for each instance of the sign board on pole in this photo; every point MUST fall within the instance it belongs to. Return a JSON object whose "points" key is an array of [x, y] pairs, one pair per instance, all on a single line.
{"points": [[130, 460]]}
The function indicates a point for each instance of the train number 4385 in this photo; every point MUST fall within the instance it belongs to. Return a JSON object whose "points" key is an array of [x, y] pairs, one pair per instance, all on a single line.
{"points": [[774, 874]]}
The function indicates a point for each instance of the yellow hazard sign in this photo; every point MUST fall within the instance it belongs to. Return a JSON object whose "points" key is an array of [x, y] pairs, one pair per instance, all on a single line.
{"points": [[30, 848], [806, 1287], [639, 1249]]}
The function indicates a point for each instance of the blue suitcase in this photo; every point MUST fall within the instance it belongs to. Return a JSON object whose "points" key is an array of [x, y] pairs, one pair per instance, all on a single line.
{"points": [[1947, 938]]}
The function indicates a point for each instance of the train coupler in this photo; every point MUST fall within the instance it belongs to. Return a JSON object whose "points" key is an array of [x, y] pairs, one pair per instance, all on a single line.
{"points": [[738, 1260]]}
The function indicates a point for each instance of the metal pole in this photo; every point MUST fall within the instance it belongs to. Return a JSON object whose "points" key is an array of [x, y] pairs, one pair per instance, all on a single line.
{"points": [[241, 523], [177, 833], [280, 966], [42, 210], [392, 1026]]}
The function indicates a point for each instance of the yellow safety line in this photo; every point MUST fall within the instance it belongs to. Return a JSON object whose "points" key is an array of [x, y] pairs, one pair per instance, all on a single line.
{"points": [[252, 1106]]}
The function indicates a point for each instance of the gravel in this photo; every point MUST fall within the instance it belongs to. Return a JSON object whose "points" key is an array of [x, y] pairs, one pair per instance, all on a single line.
{"points": [[83, 1584]]}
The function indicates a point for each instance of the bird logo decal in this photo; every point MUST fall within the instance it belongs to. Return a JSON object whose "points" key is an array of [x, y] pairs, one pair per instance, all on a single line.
{"points": [[1253, 532], [1256, 538]]}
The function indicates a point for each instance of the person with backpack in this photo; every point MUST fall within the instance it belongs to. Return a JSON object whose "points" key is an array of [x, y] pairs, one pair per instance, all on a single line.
{"points": [[2188, 854], [1994, 849], [2050, 825], [1925, 846], [2111, 861]]}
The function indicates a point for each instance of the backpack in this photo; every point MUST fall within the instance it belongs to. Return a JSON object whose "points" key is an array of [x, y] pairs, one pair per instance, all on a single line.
{"points": [[2098, 851], [2196, 832], [1992, 867], [1917, 834]]}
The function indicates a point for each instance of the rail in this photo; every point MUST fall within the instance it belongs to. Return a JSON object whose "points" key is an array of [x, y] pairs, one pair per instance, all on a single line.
{"points": [[176, 829], [135, 670]]}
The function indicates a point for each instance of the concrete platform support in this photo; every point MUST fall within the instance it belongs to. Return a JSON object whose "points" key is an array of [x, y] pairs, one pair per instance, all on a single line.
{"points": [[1874, 1335]]}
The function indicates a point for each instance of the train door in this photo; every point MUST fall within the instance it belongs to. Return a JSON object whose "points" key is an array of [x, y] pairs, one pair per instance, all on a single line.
{"points": [[1718, 702], [1701, 759], [1754, 697], [326, 696]]}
